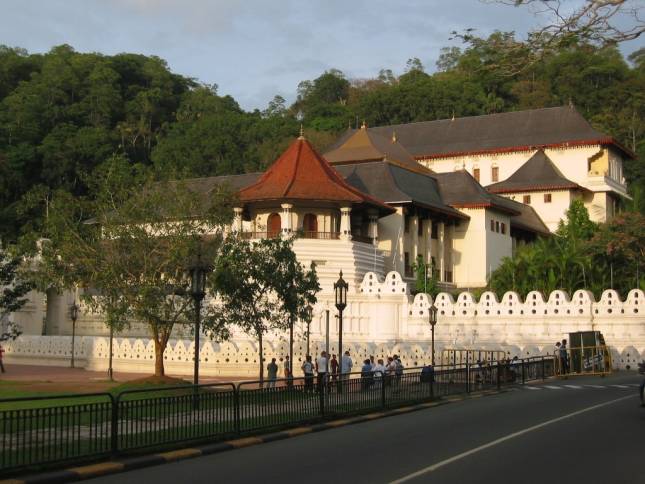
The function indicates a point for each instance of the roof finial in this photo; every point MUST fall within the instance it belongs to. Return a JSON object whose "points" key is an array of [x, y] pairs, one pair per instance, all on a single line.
{"points": [[302, 132], [393, 136], [364, 125]]}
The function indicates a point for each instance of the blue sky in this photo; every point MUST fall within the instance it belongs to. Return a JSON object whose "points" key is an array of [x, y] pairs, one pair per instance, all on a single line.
{"points": [[255, 49]]}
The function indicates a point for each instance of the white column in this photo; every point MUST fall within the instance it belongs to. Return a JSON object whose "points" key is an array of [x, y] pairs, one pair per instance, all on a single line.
{"points": [[345, 223], [285, 219], [373, 226], [414, 226], [427, 233], [442, 250], [237, 219], [451, 237]]}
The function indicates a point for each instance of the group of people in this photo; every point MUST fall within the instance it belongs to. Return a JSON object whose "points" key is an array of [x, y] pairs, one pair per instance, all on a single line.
{"points": [[562, 357], [330, 370]]}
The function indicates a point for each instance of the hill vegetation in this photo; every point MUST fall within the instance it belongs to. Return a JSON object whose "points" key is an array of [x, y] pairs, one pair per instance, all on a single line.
{"points": [[64, 114]]}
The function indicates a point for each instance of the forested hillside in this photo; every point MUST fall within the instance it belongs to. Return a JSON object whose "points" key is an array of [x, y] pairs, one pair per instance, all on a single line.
{"points": [[64, 113]]}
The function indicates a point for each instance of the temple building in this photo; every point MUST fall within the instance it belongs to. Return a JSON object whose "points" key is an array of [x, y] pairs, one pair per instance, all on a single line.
{"points": [[458, 195], [492, 148]]}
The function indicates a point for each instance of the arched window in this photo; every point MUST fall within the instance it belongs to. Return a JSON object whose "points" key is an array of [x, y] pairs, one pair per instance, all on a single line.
{"points": [[274, 225], [310, 224]]}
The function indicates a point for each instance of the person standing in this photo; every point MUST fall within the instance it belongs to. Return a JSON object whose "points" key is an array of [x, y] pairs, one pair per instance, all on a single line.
{"points": [[346, 365], [272, 372], [288, 374], [367, 377], [321, 368], [1, 362], [558, 361], [564, 357], [333, 363], [308, 370], [379, 372]]}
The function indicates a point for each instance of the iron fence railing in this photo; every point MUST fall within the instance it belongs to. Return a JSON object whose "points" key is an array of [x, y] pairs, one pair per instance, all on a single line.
{"points": [[58, 429]]}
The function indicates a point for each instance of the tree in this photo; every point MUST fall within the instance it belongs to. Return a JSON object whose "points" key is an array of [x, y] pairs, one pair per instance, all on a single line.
{"points": [[13, 286], [131, 247], [599, 21], [262, 287], [426, 278]]}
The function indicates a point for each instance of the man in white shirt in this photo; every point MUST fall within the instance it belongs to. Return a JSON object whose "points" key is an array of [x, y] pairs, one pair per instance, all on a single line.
{"points": [[346, 363], [321, 368]]}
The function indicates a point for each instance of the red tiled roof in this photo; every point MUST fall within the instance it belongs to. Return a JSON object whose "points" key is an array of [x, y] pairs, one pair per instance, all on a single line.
{"points": [[300, 173]]}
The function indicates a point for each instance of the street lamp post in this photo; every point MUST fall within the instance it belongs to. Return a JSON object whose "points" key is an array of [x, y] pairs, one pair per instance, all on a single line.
{"points": [[309, 316], [432, 319], [73, 313], [110, 371], [197, 290], [340, 293]]}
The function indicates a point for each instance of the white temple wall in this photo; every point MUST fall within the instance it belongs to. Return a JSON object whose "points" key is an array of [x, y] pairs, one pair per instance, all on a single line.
{"points": [[381, 319]]}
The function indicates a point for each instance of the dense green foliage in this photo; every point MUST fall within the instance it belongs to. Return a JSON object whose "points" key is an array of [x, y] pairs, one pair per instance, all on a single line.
{"points": [[63, 113], [581, 255], [13, 286]]}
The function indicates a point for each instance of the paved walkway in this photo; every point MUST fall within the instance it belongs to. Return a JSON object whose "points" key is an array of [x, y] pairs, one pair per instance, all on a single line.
{"points": [[61, 379]]}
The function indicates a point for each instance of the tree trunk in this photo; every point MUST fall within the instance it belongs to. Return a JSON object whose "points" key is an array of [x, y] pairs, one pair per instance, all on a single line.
{"points": [[261, 358], [160, 347]]}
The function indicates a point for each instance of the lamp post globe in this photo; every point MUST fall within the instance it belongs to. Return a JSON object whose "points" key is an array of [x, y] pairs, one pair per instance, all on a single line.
{"points": [[340, 299], [73, 314], [432, 319]]}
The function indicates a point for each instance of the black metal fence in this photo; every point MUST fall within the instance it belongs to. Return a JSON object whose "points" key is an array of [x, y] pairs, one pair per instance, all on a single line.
{"points": [[52, 430]]}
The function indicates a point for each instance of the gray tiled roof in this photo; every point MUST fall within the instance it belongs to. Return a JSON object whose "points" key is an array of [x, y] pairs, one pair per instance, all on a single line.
{"points": [[460, 189], [538, 173], [396, 185], [492, 132]]}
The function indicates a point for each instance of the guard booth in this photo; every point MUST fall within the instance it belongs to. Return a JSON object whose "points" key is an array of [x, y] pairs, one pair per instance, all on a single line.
{"points": [[587, 354]]}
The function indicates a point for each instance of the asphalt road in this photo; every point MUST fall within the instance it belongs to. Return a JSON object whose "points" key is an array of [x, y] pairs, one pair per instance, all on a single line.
{"points": [[562, 431]]}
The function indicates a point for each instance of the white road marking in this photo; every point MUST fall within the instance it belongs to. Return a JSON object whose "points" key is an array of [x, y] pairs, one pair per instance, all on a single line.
{"points": [[552, 387], [596, 386], [533, 388], [620, 386], [438, 465], [575, 387]]}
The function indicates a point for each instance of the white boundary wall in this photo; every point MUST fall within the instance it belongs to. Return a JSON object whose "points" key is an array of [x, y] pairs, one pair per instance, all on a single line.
{"points": [[381, 319]]}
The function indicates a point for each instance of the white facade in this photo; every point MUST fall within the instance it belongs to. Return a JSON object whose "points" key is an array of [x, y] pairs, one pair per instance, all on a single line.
{"points": [[596, 168]]}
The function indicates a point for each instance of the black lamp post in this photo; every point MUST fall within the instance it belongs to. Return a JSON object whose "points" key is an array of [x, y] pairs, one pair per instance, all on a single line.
{"points": [[340, 293], [432, 319], [198, 272], [110, 371], [310, 312], [73, 313]]}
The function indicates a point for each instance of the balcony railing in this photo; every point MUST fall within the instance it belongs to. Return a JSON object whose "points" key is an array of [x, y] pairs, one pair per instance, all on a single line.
{"points": [[260, 235], [299, 234], [318, 235]]}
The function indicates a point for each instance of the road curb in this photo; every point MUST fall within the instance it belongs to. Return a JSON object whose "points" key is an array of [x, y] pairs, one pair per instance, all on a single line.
{"points": [[80, 473]]}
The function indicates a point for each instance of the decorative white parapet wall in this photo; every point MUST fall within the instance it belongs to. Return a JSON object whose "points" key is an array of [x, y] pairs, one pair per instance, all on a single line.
{"points": [[381, 319]]}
